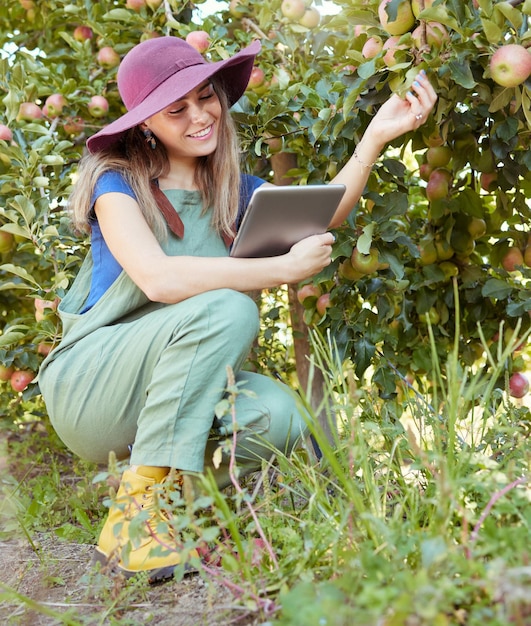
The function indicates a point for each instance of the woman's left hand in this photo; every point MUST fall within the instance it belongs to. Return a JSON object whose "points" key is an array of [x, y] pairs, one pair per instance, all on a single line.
{"points": [[401, 115]]}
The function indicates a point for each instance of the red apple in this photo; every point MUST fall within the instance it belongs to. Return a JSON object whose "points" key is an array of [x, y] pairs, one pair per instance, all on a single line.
{"points": [[518, 385], [512, 259], [425, 170], [311, 18], [44, 348], [98, 106], [308, 291], [135, 5], [403, 22], [6, 371], [372, 47], [365, 263], [107, 57], [82, 33], [510, 65], [54, 105], [438, 184], [41, 305], [5, 133], [256, 79], [6, 241], [198, 39], [28, 112], [323, 303], [20, 379], [390, 46], [488, 181], [293, 9], [74, 125]]}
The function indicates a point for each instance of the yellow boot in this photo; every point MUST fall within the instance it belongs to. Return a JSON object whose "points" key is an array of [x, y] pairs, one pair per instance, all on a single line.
{"points": [[147, 543]]}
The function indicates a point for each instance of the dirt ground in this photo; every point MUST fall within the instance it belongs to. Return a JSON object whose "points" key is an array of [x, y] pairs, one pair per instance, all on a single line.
{"points": [[60, 579]]}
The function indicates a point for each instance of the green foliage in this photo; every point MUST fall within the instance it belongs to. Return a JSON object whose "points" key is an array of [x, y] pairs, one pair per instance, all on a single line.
{"points": [[420, 520]]}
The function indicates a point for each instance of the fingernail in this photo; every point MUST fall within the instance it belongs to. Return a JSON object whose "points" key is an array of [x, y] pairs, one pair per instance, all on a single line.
{"points": [[409, 93], [423, 72], [416, 84]]}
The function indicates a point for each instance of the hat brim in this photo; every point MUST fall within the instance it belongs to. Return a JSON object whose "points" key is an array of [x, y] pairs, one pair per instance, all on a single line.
{"points": [[234, 74]]}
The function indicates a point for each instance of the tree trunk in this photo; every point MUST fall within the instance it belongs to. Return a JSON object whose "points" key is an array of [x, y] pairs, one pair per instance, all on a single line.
{"points": [[281, 163]]}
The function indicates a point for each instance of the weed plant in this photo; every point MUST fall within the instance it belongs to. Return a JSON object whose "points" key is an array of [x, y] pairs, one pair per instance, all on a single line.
{"points": [[416, 514]]}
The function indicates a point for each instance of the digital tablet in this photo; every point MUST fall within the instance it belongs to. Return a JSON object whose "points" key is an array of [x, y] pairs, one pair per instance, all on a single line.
{"points": [[278, 217]]}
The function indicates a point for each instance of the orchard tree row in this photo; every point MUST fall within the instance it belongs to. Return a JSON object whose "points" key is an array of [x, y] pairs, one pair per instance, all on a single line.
{"points": [[447, 205]]}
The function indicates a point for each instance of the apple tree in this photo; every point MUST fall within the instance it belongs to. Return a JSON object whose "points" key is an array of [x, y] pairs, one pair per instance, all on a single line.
{"points": [[440, 234]]}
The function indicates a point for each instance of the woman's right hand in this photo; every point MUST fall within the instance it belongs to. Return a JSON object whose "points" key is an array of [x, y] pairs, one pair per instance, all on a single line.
{"points": [[309, 256]]}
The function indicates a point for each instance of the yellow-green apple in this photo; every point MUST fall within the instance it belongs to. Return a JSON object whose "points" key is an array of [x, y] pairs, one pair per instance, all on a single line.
{"points": [[98, 106], [432, 315], [346, 270], [311, 18], [403, 22], [28, 112], [449, 269], [510, 65], [518, 385], [372, 47], [365, 263], [5, 133], [293, 9], [308, 290], [438, 184], [153, 4], [477, 227], [428, 251], [439, 156], [237, 8], [444, 249], [6, 241], [527, 252], [436, 35], [20, 379], [54, 105], [82, 33], [512, 259], [323, 303], [462, 242], [107, 57], [415, 6], [6, 371], [198, 39]]}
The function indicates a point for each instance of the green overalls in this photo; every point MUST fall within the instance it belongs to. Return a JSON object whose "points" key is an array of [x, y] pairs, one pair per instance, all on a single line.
{"points": [[131, 371]]}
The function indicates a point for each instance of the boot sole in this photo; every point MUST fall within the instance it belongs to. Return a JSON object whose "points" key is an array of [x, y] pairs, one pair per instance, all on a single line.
{"points": [[155, 576]]}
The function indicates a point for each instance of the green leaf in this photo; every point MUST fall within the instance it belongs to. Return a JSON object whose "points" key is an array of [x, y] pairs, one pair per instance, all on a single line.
{"points": [[365, 239], [363, 352], [492, 31], [496, 288], [20, 272], [462, 74]]}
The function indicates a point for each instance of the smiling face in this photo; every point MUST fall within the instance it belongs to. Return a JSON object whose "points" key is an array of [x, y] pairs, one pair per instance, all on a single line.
{"points": [[189, 127]]}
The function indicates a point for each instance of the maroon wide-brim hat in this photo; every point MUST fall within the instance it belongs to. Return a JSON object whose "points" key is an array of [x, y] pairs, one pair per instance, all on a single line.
{"points": [[159, 71]]}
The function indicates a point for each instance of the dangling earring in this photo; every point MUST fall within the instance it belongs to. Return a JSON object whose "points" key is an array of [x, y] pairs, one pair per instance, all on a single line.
{"points": [[150, 138]]}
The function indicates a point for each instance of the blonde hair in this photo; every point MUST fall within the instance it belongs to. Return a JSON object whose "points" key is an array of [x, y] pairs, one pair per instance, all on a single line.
{"points": [[217, 176]]}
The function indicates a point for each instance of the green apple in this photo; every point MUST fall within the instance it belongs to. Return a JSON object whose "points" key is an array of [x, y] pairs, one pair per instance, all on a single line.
{"points": [[365, 263], [404, 21]]}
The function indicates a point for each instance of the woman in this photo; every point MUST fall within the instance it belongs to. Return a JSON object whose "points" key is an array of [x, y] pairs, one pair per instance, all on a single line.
{"points": [[157, 313]]}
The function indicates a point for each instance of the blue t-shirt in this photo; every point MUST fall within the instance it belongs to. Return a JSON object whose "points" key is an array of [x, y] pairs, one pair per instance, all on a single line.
{"points": [[106, 268]]}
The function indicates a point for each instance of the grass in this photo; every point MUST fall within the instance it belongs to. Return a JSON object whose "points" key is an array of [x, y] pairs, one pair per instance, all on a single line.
{"points": [[419, 518]]}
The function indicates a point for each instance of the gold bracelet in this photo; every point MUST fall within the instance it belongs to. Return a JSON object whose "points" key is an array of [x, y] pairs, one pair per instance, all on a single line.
{"points": [[357, 157]]}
